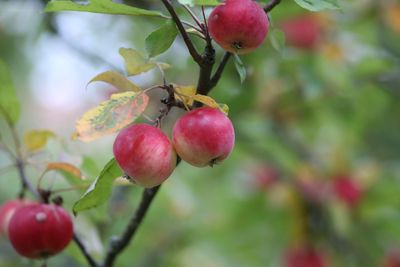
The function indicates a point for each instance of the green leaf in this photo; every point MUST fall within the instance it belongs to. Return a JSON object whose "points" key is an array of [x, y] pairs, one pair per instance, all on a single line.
{"points": [[111, 115], [100, 190], [9, 104], [277, 39], [161, 39], [99, 6], [240, 68], [117, 80], [318, 5], [135, 62]]}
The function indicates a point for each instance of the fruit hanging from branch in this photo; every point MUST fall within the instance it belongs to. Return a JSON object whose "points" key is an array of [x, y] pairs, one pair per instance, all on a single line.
{"points": [[203, 136], [40, 230], [238, 26]]}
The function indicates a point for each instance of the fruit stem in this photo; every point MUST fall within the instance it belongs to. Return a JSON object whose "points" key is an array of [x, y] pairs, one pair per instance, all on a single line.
{"points": [[273, 3]]}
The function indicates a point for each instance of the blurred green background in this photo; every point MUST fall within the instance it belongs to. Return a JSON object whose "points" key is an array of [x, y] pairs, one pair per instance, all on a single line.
{"points": [[317, 121]]}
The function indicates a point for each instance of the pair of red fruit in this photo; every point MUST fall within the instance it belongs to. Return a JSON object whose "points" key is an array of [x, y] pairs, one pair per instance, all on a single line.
{"points": [[201, 137], [35, 230]]}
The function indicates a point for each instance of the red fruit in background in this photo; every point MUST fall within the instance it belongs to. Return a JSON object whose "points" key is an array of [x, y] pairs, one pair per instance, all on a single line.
{"points": [[263, 176], [392, 259], [145, 154], [6, 212], [203, 136], [238, 26], [347, 190], [40, 230], [304, 257], [303, 32]]}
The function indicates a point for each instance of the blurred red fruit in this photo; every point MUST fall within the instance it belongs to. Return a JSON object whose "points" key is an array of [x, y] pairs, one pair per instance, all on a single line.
{"points": [[303, 31], [263, 177], [392, 259], [347, 190], [304, 257]]}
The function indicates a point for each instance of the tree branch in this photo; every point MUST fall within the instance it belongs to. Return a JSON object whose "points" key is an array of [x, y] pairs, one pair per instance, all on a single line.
{"points": [[85, 253], [220, 69], [192, 50], [269, 6], [119, 244]]}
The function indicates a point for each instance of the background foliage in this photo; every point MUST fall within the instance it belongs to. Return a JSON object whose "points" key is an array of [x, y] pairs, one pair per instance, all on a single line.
{"points": [[308, 114]]}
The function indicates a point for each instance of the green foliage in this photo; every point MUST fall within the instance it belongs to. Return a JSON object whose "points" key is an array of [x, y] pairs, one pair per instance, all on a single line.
{"points": [[161, 39], [199, 2], [318, 5], [277, 39], [100, 190], [99, 6], [9, 103], [240, 68]]}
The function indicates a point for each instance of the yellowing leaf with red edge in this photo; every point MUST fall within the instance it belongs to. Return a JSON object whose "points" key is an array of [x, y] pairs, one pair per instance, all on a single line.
{"points": [[117, 80], [65, 167], [37, 139], [135, 63], [185, 94], [111, 115], [209, 101]]}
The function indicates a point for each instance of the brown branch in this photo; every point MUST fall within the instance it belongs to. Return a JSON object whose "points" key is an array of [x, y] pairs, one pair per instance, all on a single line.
{"points": [[85, 253], [118, 244], [220, 69], [192, 50], [269, 6]]}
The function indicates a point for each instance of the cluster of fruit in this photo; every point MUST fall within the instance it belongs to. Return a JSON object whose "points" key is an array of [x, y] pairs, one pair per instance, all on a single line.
{"points": [[35, 230], [201, 137]]}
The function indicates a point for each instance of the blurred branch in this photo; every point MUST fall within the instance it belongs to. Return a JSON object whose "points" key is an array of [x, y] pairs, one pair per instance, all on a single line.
{"points": [[118, 244], [273, 3], [85, 253]]}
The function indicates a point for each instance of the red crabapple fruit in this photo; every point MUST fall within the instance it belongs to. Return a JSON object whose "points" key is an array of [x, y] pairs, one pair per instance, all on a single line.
{"points": [[347, 190], [304, 257], [203, 136], [145, 154], [238, 26], [40, 230], [303, 32], [6, 212]]}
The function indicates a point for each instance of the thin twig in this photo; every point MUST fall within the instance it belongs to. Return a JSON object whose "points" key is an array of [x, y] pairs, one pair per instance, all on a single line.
{"points": [[194, 17], [192, 50], [269, 6], [118, 244], [85, 253], [220, 69]]}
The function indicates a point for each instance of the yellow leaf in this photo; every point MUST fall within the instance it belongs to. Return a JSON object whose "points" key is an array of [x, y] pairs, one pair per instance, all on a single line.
{"points": [[36, 139], [117, 80], [209, 101], [111, 115], [135, 62], [185, 94], [66, 167]]}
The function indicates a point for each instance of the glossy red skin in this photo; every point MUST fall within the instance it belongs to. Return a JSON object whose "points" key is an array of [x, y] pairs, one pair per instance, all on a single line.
{"points": [[145, 154], [203, 136], [347, 190], [40, 230], [6, 212], [238, 23], [302, 32], [304, 257]]}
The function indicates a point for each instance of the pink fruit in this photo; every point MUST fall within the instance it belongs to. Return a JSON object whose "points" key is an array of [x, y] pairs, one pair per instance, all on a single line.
{"points": [[40, 230], [203, 136], [264, 177], [145, 154], [302, 32], [238, 26], [304, 257], [392, 259], [347, 190], [6, 212]]}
